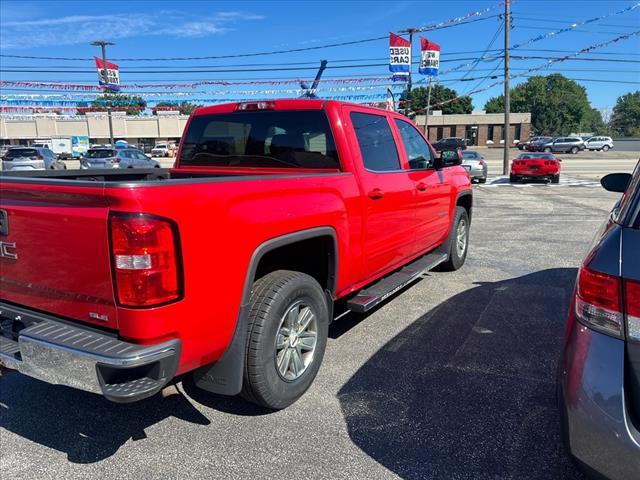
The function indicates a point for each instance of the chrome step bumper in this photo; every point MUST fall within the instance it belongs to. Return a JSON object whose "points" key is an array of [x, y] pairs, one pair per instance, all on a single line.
{"points": [[63, 353]]}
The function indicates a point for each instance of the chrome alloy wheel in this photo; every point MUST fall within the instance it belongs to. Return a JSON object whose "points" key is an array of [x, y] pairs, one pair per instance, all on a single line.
{"points": [[461, 238], [296, 341]]}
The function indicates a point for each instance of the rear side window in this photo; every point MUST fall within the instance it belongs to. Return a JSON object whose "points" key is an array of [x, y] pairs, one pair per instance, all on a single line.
{"points": [[377, 146], [630, 201], [268, 139]]}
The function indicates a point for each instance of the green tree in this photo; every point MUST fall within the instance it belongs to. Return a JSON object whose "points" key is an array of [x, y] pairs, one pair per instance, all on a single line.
{"points": [[593, 122], [185, 108], [625, 119], [557, 104], [119, 102], [439, 94]]}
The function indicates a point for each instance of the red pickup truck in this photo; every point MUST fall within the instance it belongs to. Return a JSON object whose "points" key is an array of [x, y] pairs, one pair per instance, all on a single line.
{"points": [[231, 265]]}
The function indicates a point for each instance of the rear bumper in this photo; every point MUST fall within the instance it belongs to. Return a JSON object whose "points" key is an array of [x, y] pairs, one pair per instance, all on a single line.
{"points": [[598, 428], [63, 353]]}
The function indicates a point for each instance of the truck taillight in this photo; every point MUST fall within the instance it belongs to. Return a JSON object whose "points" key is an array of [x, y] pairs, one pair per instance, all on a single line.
{"points": [[632, 300], [598, 302], [145, 260]]}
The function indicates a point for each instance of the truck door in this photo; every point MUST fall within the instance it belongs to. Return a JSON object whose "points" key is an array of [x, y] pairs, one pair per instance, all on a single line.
{"points": [[387, 192], [431, 188]]}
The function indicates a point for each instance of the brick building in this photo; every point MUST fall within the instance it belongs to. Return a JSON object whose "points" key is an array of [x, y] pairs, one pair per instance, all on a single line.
{"points": [[480, 128]]}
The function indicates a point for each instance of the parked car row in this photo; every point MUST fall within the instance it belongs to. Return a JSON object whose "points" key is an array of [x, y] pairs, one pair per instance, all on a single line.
{"points": [[570, 144], [42, 158]]}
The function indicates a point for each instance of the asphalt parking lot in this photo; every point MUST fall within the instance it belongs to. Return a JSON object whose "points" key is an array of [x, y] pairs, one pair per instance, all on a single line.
{"points": [[452, 378]]}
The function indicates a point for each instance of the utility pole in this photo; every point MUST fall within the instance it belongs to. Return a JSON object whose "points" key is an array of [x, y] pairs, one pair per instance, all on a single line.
{"points": [[426, 118], [103, 45], [507, 100]]}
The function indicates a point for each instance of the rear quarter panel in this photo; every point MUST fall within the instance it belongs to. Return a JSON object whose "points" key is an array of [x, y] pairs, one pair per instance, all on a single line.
{"points": [[221, 223]]}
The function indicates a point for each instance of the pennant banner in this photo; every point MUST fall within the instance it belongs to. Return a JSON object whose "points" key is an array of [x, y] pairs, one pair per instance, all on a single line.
{"points": [[112, 81], [399, 57], [429, 57]]}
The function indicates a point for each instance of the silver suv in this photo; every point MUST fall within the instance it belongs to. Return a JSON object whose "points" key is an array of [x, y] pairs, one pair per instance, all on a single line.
{"points": [[599, 143], [564, 145], [117, 158], [31, 158]]}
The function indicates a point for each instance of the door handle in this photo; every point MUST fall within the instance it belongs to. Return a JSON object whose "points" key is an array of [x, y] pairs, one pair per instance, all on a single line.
{"points": [[376, 194], [421, 187]]}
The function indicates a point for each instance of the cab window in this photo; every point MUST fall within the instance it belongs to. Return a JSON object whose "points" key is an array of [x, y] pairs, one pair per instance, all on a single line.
{"points": [[419, 154], [377, 146]]}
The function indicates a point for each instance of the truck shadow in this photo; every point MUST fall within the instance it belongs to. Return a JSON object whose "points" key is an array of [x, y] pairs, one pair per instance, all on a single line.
{"points": [[87, 427], [468, 389]]}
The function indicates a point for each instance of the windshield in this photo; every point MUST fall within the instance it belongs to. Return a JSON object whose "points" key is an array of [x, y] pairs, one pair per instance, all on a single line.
{"points": [[102, 153], [268, 139], [160, 146], [535, 156]]}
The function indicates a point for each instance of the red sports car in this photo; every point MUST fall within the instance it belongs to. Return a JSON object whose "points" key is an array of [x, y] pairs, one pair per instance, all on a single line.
{"points": [[544, 166]]}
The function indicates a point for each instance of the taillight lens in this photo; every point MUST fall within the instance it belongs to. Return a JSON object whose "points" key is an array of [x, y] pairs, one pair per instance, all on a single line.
{"points": [[598, 302], [250, 106], [145, 259], [632, 300]]}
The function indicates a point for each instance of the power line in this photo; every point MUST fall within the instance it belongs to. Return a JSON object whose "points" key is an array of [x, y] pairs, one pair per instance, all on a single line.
{"points": [[446, 24]]}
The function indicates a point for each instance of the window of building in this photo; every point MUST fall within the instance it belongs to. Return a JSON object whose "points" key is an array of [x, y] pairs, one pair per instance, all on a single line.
{"points": [[490, 132], [518, 131], [377, 146], [452, 131], [439, 133]]}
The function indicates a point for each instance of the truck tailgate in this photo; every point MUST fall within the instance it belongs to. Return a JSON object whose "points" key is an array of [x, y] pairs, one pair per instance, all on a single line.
{"points": [[55, 251]]}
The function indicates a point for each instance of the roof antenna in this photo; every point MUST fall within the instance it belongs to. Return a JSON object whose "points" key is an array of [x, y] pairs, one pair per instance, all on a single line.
{"points": [[311, 92]]}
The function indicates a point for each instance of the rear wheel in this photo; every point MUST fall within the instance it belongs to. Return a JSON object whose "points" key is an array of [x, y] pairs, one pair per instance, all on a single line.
{"points": [[458, 240], [513, 179], [288, 326], [574, 150], [482, 180], [547, 150], [555, 179]]}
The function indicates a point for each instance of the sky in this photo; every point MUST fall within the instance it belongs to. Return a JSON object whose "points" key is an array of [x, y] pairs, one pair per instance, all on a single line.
{"points": [[167, 29]]}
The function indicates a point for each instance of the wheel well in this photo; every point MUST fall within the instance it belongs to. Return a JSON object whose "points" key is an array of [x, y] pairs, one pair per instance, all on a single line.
{"points": [[313, 256], [466, 202]]}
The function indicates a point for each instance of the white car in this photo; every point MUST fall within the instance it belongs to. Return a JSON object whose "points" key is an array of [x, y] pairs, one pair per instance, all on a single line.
{"points": [[599, 143], [162, 150]]}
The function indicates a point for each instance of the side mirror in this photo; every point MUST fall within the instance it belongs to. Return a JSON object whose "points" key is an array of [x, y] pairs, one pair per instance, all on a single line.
{"points": [[449, 158], [616, 182], [418, 164]]}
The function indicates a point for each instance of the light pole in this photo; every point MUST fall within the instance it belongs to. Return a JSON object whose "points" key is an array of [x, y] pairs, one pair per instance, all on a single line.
{"points": [[507, 102], [103, 45]]}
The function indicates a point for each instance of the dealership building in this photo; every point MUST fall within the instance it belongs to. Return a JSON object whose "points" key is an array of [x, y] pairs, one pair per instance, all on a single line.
{"points": [[481, 129]]}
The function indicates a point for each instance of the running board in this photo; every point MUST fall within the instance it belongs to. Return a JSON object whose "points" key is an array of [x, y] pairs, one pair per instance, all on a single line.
{"points": [[381, 290]]}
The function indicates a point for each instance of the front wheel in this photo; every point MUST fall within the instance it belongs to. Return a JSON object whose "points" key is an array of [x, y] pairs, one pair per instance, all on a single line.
{"points": [[555, 179], [574, 150], [458, 240], [605, 148], [547, 150], [288, 327]]}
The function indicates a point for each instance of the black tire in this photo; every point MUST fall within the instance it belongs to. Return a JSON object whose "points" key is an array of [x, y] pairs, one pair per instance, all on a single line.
{"points": [[547, 150], [482, 180], [555, 179], [513, 179], [271, 297], [456, 260], [605, 148], [574, 150]]}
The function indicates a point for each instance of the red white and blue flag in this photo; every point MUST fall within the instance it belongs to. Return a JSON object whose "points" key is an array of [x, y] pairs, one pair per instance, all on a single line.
{"points": [[429, 57], [399, 57], [112, 82]]}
